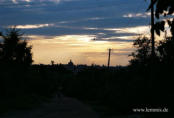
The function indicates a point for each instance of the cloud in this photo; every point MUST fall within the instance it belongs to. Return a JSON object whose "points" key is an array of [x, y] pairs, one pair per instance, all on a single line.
{"points": [[131, 30], [95, 18], [138, 15], [15, 1], [55, 1], [121, 38], [18, 1], [32, 26], [28, 0]]}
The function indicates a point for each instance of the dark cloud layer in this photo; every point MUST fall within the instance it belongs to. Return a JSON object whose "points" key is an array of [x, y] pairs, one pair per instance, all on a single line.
{"points": [[73, 16]]}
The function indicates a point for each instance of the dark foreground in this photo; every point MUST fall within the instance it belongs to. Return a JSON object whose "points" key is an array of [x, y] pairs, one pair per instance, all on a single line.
{"points": [[111, 93]]}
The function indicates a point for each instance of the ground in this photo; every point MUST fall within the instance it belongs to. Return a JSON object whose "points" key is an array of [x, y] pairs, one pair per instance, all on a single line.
{"points": [[57, 108], [63, 107]]}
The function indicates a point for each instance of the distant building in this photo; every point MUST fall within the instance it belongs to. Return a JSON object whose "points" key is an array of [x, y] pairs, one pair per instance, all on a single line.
{"points": [[70, 63]]}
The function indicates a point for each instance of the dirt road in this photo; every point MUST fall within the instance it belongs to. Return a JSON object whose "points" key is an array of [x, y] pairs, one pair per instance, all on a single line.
{"points": [[57, 108]]}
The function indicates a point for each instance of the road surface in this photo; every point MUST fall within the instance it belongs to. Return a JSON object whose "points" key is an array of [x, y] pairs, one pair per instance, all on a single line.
{"points": [[57, 108]]}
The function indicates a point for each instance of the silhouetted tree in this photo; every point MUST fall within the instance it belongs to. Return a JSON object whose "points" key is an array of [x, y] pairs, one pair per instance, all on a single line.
{"points": [[164, 8], [14, 49], [0, 46], [164, 11], [143, 52], [166, 51]]}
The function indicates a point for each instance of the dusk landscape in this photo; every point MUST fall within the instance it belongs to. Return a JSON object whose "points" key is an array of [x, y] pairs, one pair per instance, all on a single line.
{"points": [[86, 58]]}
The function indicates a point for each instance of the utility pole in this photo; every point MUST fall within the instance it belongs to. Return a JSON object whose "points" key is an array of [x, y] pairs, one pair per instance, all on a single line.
{"points": [[150, 81], [109, 57], [152, 29], [165, 36]]}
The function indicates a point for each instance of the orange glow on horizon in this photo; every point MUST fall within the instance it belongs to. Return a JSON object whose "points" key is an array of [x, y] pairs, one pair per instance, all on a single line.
{"points": [[80, 48]]}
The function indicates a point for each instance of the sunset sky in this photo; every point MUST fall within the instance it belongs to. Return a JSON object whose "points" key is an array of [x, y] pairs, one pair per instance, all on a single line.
{"points": [[61, 30]]}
